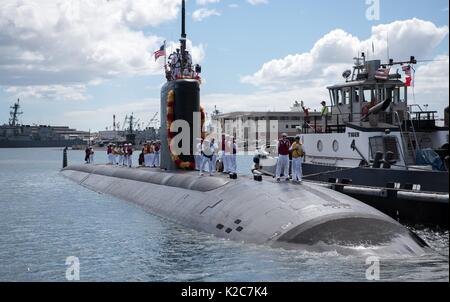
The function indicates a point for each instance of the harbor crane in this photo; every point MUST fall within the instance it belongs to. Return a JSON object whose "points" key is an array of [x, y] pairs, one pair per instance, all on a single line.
{"points": [[153, 120]]}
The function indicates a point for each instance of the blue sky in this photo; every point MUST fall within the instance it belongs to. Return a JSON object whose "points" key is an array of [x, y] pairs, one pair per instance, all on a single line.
{"points": [[233, 45]]}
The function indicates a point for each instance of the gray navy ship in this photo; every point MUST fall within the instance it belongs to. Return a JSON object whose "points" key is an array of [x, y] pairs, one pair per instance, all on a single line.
{"points": [[15, 135]]}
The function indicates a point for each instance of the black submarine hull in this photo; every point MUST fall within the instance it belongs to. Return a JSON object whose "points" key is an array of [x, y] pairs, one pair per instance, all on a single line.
{"points": [[307, 217]]}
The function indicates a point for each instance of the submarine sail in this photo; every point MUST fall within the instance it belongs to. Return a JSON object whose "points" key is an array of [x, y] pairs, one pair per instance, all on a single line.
{"points": [[180, 101]]}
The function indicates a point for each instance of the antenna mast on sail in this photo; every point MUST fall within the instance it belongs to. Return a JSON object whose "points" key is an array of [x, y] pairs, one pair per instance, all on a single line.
{"points": [[183, 36]]}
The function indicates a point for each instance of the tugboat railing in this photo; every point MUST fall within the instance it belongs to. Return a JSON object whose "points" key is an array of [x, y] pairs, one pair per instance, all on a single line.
{"points": [[414, 133], [403, 153]]}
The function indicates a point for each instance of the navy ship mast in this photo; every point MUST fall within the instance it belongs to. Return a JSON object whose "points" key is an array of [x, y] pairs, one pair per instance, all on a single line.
{"points": [[13, 121]]}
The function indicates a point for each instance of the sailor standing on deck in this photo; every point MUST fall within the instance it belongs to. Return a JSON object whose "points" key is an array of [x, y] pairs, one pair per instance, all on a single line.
{"points": [[233, 156], [91, 155], [152, 154], [283, 157], [176, 64], [298, 154], [142, 158], [198, 154], [156, 151], [117, 153], [188, 70], [130, 155], [87, 153], [109, 152], [147, 154], [208, 156], [226, 155], [125, 155]]}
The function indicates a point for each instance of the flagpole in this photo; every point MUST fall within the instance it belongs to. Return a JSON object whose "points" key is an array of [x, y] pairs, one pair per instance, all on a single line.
{"points": [[165, 55]]}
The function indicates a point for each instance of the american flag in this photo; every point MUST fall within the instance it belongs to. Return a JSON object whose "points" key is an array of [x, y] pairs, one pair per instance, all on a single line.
{"points": [[408, 79], [407, 70], [382, 73], [161, 52]]}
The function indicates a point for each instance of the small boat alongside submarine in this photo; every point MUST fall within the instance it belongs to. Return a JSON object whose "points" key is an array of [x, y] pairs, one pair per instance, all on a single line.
{"points": [[376, 147], [248, 209]]}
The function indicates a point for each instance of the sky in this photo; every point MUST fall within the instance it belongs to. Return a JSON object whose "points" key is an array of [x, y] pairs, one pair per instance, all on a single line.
{"points": [[78, 62]]}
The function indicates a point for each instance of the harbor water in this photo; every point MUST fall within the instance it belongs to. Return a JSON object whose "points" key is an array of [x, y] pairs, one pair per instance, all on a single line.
{"points": [[46, 218]]}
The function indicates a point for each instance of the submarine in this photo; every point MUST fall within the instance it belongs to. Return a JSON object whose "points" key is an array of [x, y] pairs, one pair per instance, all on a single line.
{"points": [[247, 209]]}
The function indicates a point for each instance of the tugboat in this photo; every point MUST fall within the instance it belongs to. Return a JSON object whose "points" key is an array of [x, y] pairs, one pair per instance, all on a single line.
{"points": [[377, 148]]}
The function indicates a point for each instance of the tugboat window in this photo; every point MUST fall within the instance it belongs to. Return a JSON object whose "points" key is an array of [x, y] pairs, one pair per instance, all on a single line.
{"points": [[319, 146], [384, 144], [368, 93], [335, 146]]}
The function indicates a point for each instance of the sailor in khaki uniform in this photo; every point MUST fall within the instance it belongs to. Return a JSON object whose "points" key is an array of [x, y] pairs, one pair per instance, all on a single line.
{"points": [[297, 159]]}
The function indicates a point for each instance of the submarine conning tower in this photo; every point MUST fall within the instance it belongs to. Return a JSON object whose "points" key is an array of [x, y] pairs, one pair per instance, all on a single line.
{"points": [[180, 100]]}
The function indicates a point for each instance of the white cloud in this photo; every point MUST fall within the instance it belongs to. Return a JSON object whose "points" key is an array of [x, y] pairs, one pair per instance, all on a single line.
{"points": [[50, 92], [206, 2], [331, 54], [203, 13], [431, 82], [306, 75], [257, 2], [65, 43], [197, 51], [431, 87], [98, 119]]}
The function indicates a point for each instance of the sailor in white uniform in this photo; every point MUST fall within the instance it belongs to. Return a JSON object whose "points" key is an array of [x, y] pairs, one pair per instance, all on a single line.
{"points": [[233, 156], [156, 151], [188, 70], [176, 64], [283, 158], [226, 156], [109, 151], [130, 155], [125, 155], [209, 149], [198, 154]]}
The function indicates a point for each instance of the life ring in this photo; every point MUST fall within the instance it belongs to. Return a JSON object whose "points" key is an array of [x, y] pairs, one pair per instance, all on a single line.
{"points": [[185, 165]]}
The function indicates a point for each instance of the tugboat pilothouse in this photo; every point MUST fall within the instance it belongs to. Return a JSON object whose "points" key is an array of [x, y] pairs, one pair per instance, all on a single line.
{"points": [[371, 138]]}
